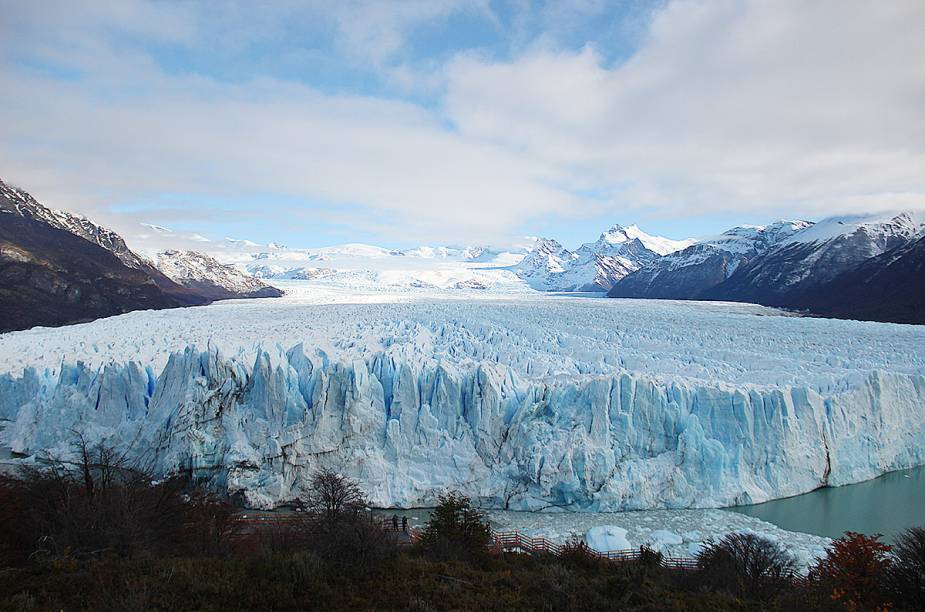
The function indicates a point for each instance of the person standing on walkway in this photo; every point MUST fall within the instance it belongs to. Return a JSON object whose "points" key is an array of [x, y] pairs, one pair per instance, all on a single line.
{"points": [[404, 524], [395, 522]]}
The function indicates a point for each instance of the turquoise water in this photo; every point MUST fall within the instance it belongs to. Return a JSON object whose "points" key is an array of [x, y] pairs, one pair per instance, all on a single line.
{"points": [[885, 505]]}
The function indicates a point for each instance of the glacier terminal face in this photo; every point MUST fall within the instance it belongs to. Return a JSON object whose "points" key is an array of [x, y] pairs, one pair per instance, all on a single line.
{"points": [[524, 403]]}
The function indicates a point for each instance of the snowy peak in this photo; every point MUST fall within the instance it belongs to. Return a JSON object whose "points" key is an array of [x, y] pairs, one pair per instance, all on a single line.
{"points": [[547, 257], [688, 273], [877, 227], [542, 266], [753, 239], [618, 234], [788, 274], [211, 278], [27, 206], [594, 266]]}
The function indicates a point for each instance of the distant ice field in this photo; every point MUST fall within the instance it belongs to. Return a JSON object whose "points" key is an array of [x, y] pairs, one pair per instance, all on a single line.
{"points": [[539, 336]]}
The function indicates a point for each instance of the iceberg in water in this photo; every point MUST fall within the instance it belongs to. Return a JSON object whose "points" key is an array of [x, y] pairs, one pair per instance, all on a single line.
{"points": [[605, 538]]}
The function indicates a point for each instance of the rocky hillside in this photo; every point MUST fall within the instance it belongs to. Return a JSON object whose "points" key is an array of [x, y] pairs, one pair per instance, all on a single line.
{"points": [[24, 205], [208, 277], [58, 268], [865, 267], [689, 273], [888, 287], [784, 275], [50, 277]]}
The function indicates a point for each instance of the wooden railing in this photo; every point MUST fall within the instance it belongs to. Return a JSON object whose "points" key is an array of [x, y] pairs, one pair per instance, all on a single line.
{"points": [[518, 542]]}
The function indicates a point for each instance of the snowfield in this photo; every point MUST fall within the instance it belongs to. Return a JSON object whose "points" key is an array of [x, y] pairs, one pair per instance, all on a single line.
{"points": [[523, 401]]}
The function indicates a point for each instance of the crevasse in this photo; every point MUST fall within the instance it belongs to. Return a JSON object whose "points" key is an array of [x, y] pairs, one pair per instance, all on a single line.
{"points": [[410, 430]]}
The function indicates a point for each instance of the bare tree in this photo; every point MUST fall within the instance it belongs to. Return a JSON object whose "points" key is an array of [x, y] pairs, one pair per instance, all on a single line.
{"points": [[93, 502], [334, 499], [338, 529], [210, 523]]}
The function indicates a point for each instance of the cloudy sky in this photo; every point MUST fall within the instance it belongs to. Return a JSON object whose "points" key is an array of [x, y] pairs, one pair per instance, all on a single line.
{"points": [[462, 121]]}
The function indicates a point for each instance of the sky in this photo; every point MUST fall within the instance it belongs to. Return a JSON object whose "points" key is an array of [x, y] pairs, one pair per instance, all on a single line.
{"points": [[462, 121]]}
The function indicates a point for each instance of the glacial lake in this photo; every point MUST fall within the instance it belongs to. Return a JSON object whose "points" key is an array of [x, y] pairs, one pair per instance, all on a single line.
{"points": [[886, 505]]}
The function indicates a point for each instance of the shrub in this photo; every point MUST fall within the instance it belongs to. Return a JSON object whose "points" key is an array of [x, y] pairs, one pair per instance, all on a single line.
{"points": [[456, 530], [283, 536], [746, 564], [854, 571], [906, 576], [96, 504], [357, 548], [649, 557], [576, 553], [17, 537], [210, 523]]}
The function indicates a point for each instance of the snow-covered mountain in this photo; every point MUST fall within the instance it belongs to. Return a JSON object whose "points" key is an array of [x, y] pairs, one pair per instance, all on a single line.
{"points": [[619, 240], [783, 274], [202, 274], [211, 278], [689, 272], [793, 264], [777, 264], [545, 261], [532, 263], [91, 284], [362, 266], [594, 266]]}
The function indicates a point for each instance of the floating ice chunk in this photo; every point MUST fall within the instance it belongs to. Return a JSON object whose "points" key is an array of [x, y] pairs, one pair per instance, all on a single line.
{"points": [[694, 548], [605, 538], [663, 538]]}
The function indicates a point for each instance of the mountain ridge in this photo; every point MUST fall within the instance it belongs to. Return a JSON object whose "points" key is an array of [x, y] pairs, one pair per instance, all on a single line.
{"points": [[51, 277], [58, 268], [821, 268]]}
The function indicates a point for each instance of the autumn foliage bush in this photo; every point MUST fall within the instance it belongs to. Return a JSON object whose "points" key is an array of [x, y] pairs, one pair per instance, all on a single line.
{"points": [[854, 571], [98, 533]]}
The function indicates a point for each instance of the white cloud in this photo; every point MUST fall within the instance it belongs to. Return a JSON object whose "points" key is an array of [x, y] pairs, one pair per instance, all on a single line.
{"points": [[727, 106], [188, 136], [777, 107]]}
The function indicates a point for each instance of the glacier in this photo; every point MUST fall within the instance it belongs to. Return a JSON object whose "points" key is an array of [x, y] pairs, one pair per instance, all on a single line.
{"points": [[527, 403]]}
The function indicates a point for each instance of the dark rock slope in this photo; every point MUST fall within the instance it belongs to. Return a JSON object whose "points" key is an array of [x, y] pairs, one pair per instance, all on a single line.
{"points": [[688, 274], [888, 287], [784, 275], [50, 277]]}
